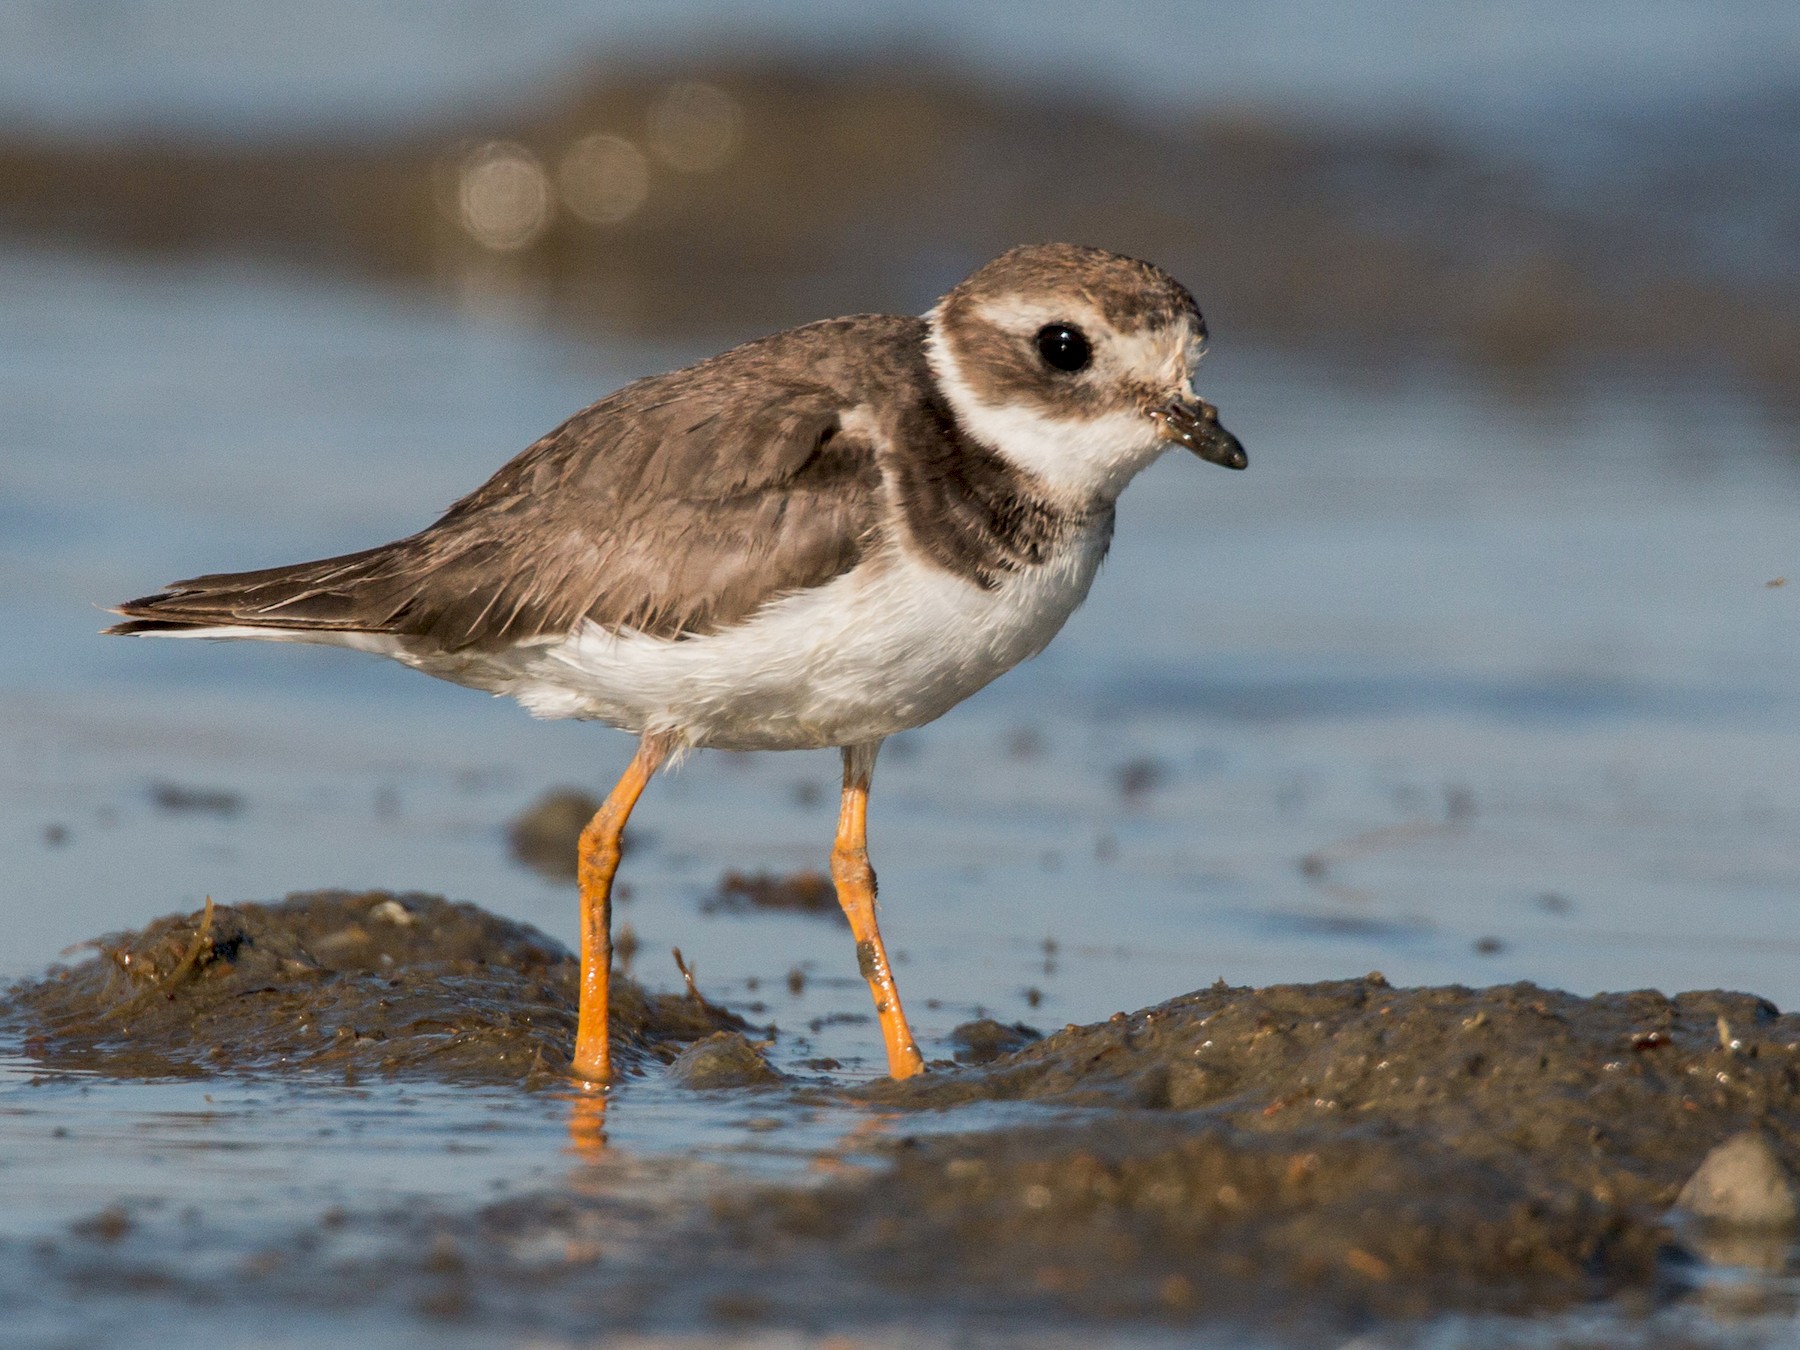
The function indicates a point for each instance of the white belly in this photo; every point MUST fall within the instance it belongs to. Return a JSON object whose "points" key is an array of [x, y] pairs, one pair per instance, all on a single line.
{"points": [[890, 645]]}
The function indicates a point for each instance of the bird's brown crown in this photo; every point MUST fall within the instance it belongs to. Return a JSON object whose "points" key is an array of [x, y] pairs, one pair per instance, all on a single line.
{"points": [[1071, 332]]}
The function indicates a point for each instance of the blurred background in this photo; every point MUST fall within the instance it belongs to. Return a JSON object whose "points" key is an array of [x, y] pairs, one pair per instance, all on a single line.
{"points": [[1520, 186], [1485, 671]]}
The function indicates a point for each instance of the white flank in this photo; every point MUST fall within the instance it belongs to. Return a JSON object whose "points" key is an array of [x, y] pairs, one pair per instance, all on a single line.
{"points": [[890, 645], [380, 644]]}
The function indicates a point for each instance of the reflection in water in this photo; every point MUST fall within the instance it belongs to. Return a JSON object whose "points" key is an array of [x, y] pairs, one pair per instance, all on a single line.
{"points": [[1745, 1249], [1746, 1271], [587, 1122], [851, 1152]]}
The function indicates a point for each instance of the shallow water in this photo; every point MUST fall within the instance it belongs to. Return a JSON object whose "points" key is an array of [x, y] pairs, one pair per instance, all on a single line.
{"points": [[137, 1194], [1441, 686]]}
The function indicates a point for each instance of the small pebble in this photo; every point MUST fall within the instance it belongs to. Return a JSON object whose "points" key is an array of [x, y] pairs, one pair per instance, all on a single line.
{"points": [[1741, 1183], [392, 911], [726, 1059], [985, 1040]]}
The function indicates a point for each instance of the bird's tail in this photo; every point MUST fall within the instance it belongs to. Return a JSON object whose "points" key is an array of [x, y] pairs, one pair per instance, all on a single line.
{"points": [[357, 593]]}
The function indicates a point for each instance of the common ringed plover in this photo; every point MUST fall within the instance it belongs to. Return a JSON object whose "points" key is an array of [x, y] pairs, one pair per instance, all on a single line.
{"points": [[819, 538]]}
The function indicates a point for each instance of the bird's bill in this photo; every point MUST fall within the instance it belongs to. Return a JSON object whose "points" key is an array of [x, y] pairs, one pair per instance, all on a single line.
{"points": [[1196, 426]]}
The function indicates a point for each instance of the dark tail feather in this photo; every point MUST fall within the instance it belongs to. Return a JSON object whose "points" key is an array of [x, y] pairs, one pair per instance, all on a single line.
{"points": [[134, 627], [363, 592]]}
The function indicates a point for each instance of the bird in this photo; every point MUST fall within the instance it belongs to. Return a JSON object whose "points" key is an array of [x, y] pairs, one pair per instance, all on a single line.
{"points": [[816, 539]]}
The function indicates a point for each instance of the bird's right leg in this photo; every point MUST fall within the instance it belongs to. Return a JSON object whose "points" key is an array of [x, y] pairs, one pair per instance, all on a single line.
{"points": [[598, 863], [855, 881]]}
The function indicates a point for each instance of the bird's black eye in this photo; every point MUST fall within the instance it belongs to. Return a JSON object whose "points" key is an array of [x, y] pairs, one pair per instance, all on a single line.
{"points": [[1063, 347]]}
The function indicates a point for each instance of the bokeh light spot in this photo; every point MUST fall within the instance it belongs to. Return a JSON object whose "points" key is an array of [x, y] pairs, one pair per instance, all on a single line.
{"points": [[603, 179], [695, 127], [503, 196]]}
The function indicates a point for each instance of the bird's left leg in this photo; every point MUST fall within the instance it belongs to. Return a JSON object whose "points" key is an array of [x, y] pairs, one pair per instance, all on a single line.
{"points": [[855, 881], [598, 862]]}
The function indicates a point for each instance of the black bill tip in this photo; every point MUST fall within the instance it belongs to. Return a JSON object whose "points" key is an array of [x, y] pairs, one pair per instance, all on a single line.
{"points": [[1196, 426]]}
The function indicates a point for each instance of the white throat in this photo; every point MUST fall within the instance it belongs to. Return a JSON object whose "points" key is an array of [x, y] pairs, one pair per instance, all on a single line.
{"points": [[1087, 460]]}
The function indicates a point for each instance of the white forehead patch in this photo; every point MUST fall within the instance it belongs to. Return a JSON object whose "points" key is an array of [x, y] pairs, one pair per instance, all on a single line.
{"points": [[1160, 358]]}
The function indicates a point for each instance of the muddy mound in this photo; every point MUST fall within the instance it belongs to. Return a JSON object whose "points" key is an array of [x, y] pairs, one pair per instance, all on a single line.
{"points": [[1368, 1148], [1154, 1217], [337, 980]]}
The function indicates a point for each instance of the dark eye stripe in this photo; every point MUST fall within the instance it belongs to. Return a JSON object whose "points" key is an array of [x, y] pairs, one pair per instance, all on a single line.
{"points": [[1064, 347]]}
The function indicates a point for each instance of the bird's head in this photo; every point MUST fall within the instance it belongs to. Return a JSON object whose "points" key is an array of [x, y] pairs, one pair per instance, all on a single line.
{"points": [[1076, 364]]}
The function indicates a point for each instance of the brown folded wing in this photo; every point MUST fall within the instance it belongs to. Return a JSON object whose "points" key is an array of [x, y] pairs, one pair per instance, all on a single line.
{"points": [[677, 506]]}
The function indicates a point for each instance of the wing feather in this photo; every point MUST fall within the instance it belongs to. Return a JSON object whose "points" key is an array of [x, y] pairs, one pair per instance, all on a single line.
{"points": [[677, 506]]}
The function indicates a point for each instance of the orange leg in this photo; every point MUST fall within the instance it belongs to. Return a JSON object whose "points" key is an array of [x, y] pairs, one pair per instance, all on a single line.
{"points": [[855, 881], [598, 863]]}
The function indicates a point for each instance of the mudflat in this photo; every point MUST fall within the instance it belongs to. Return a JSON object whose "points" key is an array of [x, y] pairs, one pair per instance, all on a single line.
{"points": [[1349, 1148]]}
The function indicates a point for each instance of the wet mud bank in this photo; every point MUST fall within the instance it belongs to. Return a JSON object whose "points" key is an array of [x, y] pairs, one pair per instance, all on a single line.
{"points": [[354, 982], [1369, 1150], [1303, 1159]]}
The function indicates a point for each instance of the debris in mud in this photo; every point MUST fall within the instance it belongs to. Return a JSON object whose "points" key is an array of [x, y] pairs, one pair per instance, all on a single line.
{"points": [[338, 980], [109, 1225], [983, 1041], [725, 1059], [625, 946], [1138, 778], [1382, 1151], [184, 799], [1025, 743], [798, 893], [689, 978], [546, 836]]}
